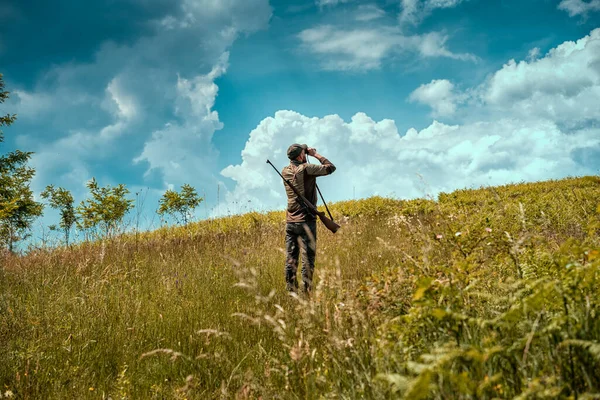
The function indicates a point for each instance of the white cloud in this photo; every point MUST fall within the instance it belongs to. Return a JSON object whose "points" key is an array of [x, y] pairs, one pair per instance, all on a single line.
{"points": [[365, 48], [352, 49], [324, 3], [533, 54], [433, 44], [115, 107], [241, 15], [439, 95], [348, 145], [563, 86], [529, 121], [126, 104], [579, 7], [410, 11], [373, 159], [183, 151], [369, 12], [32, 105], [414, 11], [65, 160]]}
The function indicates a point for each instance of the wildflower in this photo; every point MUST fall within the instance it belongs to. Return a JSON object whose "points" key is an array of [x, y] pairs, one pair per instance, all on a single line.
{"points": [[458, 234], [438, 236], [9, 394], [488, 230], [91, 389]]}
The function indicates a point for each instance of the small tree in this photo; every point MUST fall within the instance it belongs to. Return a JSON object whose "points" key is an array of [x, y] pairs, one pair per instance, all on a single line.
{"points": [[180, 206], [105, 210], [61, 200], [18, 209]]}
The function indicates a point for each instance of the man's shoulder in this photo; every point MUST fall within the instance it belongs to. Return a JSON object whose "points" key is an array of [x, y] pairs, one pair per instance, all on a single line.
{"points": [[286, 168], [291, 167]]}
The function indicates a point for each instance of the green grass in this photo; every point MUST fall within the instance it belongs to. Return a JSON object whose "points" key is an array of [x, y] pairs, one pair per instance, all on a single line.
{"points": [[489, 293]]}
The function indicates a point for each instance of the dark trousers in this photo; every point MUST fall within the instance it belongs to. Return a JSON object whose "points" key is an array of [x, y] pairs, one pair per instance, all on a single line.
{"points": [[300, 236]]}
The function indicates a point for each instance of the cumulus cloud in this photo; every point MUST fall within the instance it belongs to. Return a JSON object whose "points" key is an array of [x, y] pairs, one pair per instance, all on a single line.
{"points": [[439, 95], [529, 121], [579, 7], [365, 48], [105, 118], [350, 146], [562, 86], [374, 159], [114, 107], [183, 151], [414, 11]]}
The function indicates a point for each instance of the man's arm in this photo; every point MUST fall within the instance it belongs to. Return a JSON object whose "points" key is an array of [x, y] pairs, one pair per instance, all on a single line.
{"points": [[325, 168]]}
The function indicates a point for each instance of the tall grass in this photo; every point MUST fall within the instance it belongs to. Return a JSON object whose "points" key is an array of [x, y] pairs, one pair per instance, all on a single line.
{"points": [[489, 293]]}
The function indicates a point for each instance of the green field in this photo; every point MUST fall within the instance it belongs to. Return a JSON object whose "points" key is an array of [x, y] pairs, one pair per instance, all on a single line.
{"points": [[479, 294]]}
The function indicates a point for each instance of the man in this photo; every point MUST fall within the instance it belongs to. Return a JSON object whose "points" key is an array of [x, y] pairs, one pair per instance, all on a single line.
{"points": [[301, 225]]}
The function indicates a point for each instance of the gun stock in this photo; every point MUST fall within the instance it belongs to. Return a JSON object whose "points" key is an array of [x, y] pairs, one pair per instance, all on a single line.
{"points": [[329, 224]]}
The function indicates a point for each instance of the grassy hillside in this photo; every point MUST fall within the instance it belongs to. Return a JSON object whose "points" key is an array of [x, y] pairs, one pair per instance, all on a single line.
{"points": [[490, 293]]}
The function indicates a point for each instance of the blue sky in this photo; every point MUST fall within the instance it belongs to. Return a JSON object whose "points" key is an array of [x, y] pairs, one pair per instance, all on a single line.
{"points": [[407, 97]]}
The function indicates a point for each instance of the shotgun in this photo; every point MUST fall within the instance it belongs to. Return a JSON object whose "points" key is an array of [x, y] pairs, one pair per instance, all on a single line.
{"points": [[308, 206]]}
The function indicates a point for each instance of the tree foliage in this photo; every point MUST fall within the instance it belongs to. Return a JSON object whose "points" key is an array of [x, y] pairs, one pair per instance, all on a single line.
{"points": [[18, 209], [180, 205], [62, 200], [8, 119], [103, 213]]}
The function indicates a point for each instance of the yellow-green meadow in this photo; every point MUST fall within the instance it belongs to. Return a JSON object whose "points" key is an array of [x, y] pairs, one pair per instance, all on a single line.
{"points": [[478, 294]]}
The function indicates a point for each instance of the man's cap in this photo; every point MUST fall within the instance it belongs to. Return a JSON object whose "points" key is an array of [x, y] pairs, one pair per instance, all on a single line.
{"points": [[294, 150]]}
